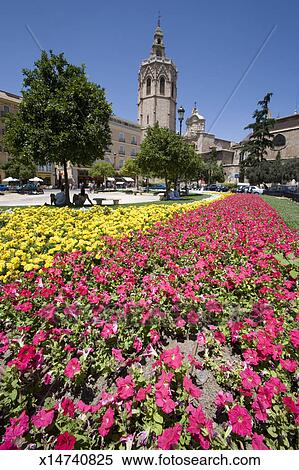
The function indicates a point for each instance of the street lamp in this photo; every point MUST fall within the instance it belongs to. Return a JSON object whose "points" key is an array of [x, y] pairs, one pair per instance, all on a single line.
{"points": [[181, 113]]}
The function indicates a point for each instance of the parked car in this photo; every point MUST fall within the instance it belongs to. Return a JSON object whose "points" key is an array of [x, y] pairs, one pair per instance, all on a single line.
{"points": [[255, 190], [30, 188], [280, 190], [222, 189], [157, 187], [295, 195], [3, 187], [211, 187]]}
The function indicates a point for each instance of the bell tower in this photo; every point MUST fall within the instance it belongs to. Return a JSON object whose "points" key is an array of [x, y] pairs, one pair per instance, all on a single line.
{"points": [[157, 87]]}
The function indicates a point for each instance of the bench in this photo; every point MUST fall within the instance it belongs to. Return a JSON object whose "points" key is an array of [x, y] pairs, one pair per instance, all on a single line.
{"points": [[99, 201]]}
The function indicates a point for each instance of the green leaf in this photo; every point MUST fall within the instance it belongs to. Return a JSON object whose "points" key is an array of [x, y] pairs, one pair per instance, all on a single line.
{"points": [[272, 432], [158, 418], [13, 395], [294, 274]]}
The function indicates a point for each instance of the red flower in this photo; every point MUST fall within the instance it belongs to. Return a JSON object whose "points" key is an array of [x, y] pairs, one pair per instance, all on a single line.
{"points": [[164, 401], [294, 337], [4, 342], [68, 407], [213, 306], [173, 358], [65, 441], [142, 393], [220, 337], [125, 387], [251, 357], [170, 437], [137, 345], [154, 335], [43, 418], [291, 405], [250, 379], [240, 420], [193, 317], [18, 427], [289, 364], [191, 388], [257, 442], [223, 398], [107, 422], [72, 368]]}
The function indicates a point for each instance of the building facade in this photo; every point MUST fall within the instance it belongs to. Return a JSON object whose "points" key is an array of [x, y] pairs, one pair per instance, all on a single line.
{"points": [[8, 104], [157, 88]]}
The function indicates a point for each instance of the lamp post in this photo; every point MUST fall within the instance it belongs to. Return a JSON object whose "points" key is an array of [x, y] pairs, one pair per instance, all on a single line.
{"points": [[181, 113]]}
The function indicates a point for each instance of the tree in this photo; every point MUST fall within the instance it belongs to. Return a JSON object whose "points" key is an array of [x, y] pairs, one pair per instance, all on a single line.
{"points": [[163, 154], [62, 117], [101, 170], [23, 168], [131, 168], [254, 150]]}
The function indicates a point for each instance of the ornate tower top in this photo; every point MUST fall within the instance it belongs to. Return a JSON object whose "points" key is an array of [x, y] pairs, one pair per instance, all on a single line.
{"points": [[158, 48], [195, 123]]}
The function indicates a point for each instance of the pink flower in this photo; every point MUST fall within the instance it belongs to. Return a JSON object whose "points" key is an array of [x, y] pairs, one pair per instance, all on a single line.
{"points": [[48, 379], [213, 306], [294, 337], [275, 386], [117, 354], [289, 364], [65, 441], [73, 367], [201, 339], [43, 418], [109, 330], [28, 358], [24, 307], [220, 337], [223, 398], [251, 357], [198, 423], [250, 379], [142, 393], [240, 420], [154, 335], [291, 405], [193, 317], [47, 312], [18, 427], [107, 422], [164, 401], [68, 407], [257, 442], [125, 387], [39, 337], [172, 358], [8, 445], [4, 343], [170, 437], [180, 322], [137, 345], [191, 388]]}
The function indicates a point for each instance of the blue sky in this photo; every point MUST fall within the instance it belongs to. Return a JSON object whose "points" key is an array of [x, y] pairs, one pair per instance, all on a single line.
{"points": [[212, 44]]}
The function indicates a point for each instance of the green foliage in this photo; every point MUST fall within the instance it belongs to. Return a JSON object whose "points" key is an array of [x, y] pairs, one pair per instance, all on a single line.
{"points": [[101, 169], [255, 148], [164, 154], [130, 168], [212, 171], [62, 117], [21, 168]]}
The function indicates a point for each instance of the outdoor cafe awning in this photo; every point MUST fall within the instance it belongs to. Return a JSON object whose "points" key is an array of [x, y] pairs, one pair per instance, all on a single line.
{"points": [[128, 179], [110, 179]]}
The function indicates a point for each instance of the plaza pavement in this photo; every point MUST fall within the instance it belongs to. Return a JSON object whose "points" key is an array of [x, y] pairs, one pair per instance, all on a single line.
{"points": [[15, 199]]}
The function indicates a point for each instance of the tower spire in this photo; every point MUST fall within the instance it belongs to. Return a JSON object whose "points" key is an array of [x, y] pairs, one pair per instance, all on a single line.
{"points": [[159, 18], [158, 48]]}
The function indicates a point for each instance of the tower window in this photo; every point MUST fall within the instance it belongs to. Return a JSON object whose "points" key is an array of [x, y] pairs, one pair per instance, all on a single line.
{"points": [[162, 86], [159, 41], [172, 90], [147, 119], [148, 86]]}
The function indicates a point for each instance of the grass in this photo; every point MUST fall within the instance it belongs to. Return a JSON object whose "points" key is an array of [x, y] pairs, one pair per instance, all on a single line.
{"points": [[288, 209]]}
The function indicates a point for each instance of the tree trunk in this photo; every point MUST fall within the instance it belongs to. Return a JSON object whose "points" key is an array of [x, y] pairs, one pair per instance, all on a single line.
{"points": [[137, 181], [66, 184]]}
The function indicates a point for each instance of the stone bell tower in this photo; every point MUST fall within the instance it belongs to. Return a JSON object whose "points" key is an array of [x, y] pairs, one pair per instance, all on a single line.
{"points": [[157, 87]]}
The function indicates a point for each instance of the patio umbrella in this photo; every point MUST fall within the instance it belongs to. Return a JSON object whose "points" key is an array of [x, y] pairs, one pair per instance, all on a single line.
{"points": [[36, 179], [9, 179]]}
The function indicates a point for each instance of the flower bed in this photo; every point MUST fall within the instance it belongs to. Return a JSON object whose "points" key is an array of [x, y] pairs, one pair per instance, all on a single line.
{"points": [[30, 237], [183, 336]]}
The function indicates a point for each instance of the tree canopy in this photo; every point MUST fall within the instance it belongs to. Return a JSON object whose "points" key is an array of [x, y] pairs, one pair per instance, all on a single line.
{"points": [[62, 117], [164, 154], [101, 169]]}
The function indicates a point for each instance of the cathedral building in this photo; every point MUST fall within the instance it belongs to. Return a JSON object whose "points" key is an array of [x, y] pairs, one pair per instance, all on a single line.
{"points": [[157, 88]]}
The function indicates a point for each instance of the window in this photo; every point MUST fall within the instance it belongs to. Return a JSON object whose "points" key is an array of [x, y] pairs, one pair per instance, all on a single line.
{"points": [[6, 109], [148, 86], [121, 137], [122, 150], [121, 163], [159, 41], [133, 152], [172, 90], [162, 86], [147, 119], [134, 140], [279, 140]]}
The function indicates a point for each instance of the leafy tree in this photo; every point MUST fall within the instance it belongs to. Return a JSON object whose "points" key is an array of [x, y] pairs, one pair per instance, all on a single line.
{"points": [[62, 117], [131, 168], [101, 170], [164, 154], [23, 168], [254, 150]]}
